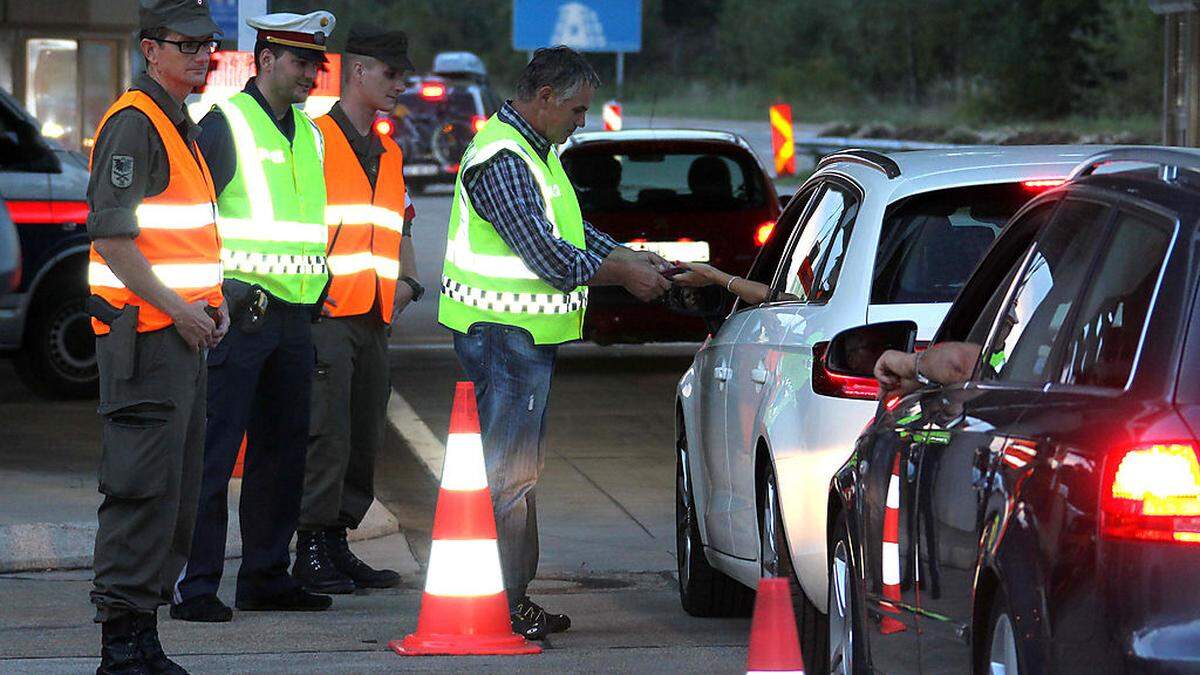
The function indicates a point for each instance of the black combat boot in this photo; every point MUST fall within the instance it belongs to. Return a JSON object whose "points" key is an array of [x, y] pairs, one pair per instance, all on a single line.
{"points": [[152, 651], [119, 650], [364, 575], [314, 569]]}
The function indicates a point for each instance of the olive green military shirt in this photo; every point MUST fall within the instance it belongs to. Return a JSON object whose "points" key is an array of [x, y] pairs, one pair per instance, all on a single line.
{"points": [[129, 163]]}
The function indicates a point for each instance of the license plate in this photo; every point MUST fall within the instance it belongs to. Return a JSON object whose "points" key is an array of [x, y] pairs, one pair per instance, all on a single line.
{"points": [[683, 251], [420, 169]]}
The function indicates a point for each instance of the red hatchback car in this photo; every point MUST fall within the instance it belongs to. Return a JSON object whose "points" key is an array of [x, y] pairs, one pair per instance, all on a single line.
{"points": [[688, 195]]}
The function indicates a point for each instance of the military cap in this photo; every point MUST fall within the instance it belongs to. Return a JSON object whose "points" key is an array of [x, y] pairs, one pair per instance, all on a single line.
{"points": [[389, 46], [305, 34], [190, 18]]}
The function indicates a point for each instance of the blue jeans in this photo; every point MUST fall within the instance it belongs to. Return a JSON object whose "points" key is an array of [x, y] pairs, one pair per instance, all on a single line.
{"points": [[512, 388]]}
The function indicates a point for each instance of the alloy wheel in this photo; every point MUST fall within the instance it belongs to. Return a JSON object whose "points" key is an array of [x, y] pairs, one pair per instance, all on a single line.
{"points": [[841, 625], [1003, 660], [769, 535]]}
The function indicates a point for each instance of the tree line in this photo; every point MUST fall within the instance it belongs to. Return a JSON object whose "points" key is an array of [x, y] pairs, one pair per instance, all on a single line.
{"points": [[991, 60]]}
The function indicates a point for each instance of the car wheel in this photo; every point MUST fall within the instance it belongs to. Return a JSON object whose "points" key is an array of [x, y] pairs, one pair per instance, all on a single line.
{"points": [[58, 358], [844, 645], [776, 560], [1001, 643], [703, 591]]}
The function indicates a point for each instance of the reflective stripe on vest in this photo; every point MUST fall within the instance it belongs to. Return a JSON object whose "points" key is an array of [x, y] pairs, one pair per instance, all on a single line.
{"points": [[365, 225], [272, 214], [484, 280], [177, 276], [177, 229], [514, 303]]}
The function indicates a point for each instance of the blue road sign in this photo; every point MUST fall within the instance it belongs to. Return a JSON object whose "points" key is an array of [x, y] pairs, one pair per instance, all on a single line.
{"points": [[225, 13], [584, 25]]}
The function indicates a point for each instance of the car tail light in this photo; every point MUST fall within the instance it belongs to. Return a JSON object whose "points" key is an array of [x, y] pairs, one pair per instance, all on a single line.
{"points": [[763, 233], [477, 122], [837, 385], [1042, 184], [433, 91], [383, 126], [1152, 493]]}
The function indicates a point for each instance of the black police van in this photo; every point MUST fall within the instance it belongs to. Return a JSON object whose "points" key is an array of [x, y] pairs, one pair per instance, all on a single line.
{"points": [[438, 115], [43, 324]]}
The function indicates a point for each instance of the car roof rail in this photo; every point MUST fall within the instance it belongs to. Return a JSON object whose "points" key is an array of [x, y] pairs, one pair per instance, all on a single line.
{"points": [[871, 158], [1169, 160]]}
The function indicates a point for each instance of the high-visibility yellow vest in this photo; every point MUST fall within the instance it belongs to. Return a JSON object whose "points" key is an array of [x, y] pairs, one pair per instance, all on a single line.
{"points": [[483, 280], [271, 215]]}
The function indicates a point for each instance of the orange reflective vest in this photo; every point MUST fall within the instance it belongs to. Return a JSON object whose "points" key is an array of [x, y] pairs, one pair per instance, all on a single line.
{"points": [[178, 231], [365, 225]]}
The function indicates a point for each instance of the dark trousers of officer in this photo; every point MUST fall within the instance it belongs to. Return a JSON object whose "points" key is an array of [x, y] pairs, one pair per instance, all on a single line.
{"points": [[153, 449], [257, 382], [349, 407]]}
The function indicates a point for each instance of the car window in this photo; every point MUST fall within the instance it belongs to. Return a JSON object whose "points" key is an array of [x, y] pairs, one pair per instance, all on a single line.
{"points": [[664, 181], [930, 243], [820, 249], [1050, 283], [767, 261], [1103, 340]]}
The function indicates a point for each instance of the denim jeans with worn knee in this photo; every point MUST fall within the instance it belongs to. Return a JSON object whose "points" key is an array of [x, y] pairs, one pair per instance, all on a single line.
{"points": [[512, 388]]}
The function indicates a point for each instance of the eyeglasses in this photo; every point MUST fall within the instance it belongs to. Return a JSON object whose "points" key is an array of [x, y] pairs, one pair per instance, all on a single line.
{"points": [[192, 46]]}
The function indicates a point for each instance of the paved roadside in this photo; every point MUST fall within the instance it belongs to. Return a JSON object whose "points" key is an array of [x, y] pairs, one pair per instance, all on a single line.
{"points": [[48, 496]]}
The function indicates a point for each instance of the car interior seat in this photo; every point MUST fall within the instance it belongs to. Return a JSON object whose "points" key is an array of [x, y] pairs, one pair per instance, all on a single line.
{"points": [[942, 259], [710, 182], [597, 180]]}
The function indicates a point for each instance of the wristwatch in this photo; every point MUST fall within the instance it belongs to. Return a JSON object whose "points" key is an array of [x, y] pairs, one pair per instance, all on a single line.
{"points": [[417, 289], [921, 379]]}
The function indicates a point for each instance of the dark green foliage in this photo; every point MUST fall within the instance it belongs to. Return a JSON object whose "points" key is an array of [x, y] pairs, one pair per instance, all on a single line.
{"points": [[985, 60]]}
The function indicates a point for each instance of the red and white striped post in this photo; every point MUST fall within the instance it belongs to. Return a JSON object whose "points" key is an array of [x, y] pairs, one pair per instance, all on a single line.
{"points": [[891, 554], [611, 115]]}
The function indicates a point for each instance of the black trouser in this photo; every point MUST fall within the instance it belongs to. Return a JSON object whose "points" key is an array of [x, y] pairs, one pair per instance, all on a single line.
{"points": [[351, 386], [153, 448], [258, 383]]}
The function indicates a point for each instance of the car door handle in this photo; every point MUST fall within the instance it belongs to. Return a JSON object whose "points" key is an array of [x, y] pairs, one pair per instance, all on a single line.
{"points": [[759, 375], [721, 373]]}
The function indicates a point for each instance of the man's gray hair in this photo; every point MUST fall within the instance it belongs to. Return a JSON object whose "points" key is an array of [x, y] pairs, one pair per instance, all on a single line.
{"points": [[561, 68]]}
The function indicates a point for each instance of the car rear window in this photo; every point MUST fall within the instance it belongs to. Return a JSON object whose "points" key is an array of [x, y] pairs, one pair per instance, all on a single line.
{"points": [[664, 180], [931, 242], [457, 103]]}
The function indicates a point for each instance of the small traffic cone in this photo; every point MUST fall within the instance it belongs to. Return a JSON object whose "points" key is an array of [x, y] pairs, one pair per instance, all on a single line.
{"points": [[774, 643], [464, 609], [891, 555]]}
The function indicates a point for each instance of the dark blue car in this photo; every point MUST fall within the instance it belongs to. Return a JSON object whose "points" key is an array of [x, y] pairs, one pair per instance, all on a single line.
{"points": [[1044, 515]]}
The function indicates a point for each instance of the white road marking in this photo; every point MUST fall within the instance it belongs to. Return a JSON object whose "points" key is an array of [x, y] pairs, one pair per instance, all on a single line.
{"points": [[416, 434]]}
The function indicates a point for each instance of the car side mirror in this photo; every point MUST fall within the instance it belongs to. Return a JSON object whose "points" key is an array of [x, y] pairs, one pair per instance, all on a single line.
{"points": [[707, 301], [854, 351]]}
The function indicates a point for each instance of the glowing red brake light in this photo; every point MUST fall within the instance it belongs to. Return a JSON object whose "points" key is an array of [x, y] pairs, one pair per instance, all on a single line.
{"points": [[1152, 493], [433, 91], [763, 233], [383, 126], [828, 383], [477, 122], [1042, 184]]}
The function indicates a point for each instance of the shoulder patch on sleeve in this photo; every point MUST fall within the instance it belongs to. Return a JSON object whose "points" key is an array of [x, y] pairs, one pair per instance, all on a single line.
{"points": [[121, 174]]}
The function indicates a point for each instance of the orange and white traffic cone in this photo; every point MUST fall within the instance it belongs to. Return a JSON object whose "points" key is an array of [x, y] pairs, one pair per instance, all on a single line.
{"points": [[891, 554], [774, 643], [464, 609]]}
